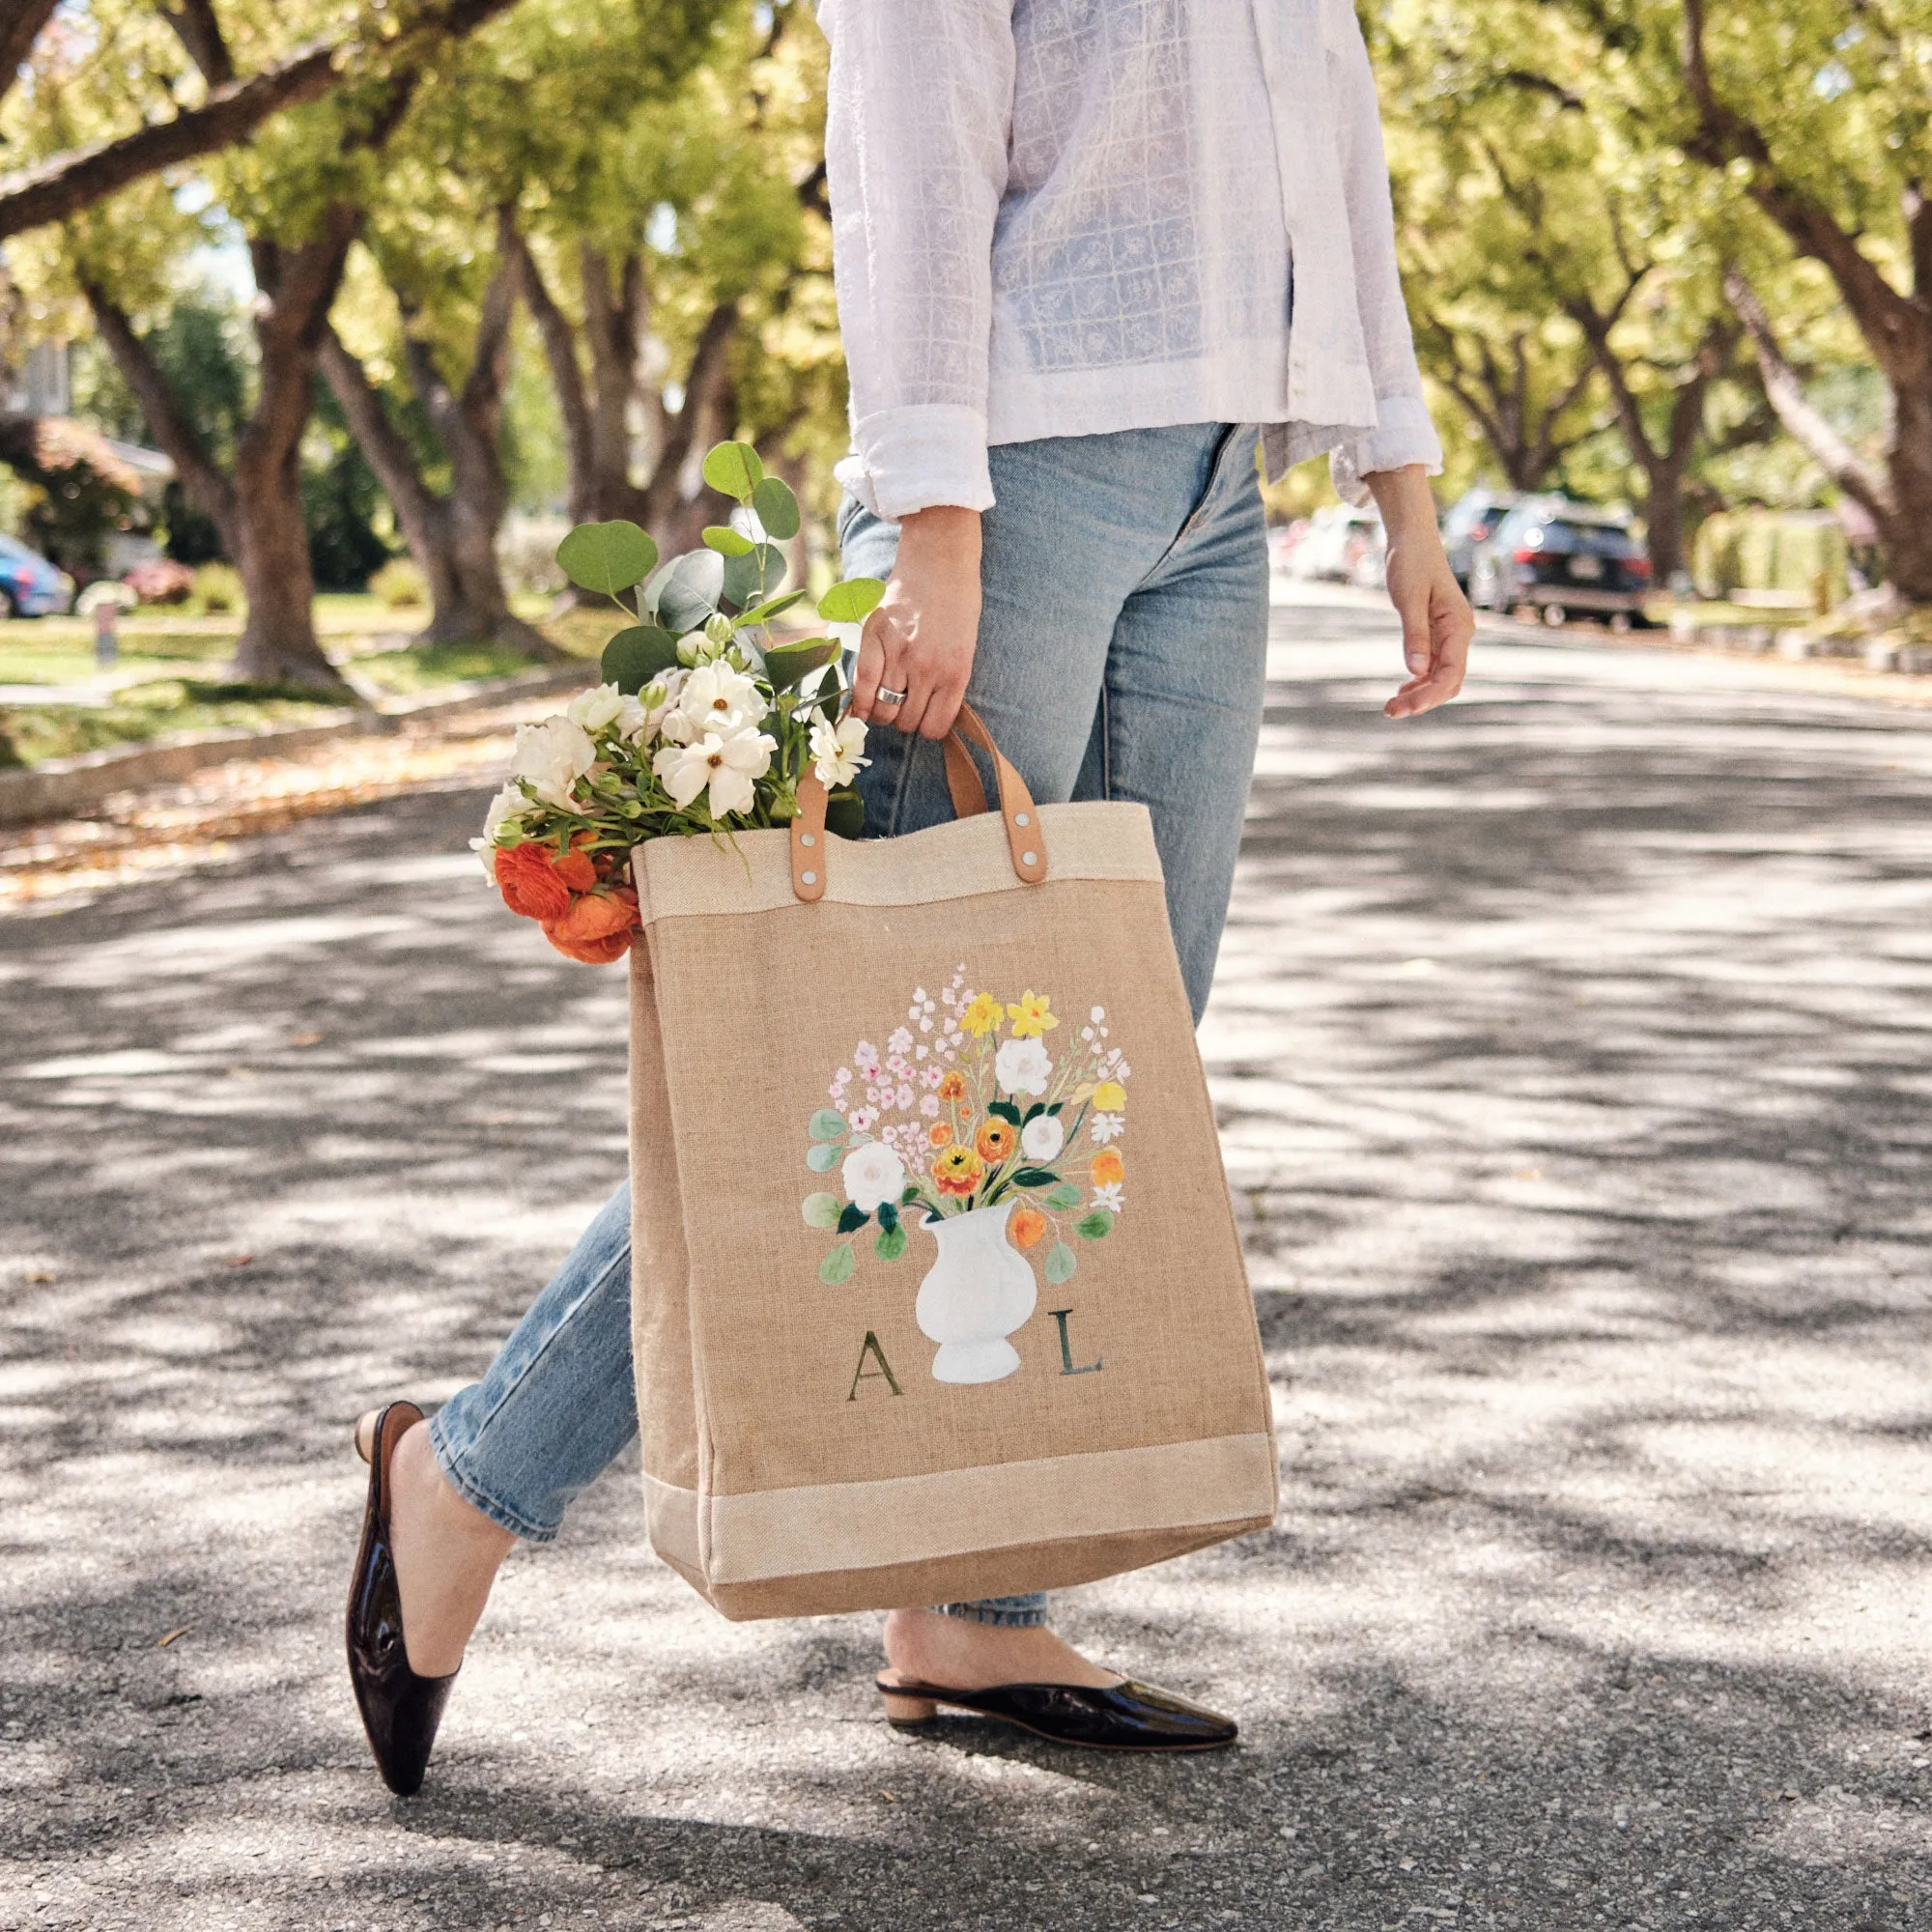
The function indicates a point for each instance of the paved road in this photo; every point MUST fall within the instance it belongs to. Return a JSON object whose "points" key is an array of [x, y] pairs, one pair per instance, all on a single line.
{"points": [[1573, 1052]]}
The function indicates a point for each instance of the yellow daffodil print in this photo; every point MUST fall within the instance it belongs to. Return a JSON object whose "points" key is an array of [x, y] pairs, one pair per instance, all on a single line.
{"points": [[1033, 1016], [982, 1016], [1110, 1097]]}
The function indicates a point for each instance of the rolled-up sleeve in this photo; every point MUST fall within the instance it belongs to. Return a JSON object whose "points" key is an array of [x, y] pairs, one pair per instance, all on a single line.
{"points": [[919, 103], [1403, 432]]}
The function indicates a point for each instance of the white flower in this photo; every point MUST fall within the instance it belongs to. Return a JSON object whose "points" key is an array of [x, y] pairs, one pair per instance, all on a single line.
{"points": [[597, 707], [509, 803], [1109, 1197], [1107, 1128], [835, 751], [553, 755], [719, 699], [1021, 1067], [728, 765], [898, 1041], [1042, 1137], [873, 1174]]}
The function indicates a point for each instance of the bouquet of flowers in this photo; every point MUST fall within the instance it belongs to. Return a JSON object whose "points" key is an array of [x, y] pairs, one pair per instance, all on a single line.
{"points": [[703, 724]]}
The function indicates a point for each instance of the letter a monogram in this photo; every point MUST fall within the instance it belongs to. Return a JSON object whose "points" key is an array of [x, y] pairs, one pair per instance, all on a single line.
{"points": [[862, 1374]]}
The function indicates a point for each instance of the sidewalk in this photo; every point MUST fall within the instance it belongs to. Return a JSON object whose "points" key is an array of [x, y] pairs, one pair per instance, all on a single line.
{"points": [[1572, 1056]]}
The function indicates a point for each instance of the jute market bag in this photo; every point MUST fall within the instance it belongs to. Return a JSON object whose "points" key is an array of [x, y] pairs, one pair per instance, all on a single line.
{"points": [[936, 1287]]}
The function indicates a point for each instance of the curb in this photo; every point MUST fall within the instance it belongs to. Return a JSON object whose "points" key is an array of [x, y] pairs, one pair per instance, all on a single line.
{"points": [[64, 786]]}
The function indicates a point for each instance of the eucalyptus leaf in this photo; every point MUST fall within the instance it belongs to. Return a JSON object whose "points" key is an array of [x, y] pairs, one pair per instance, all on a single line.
{"points": [[820, 1211], [727, 541], [1060, 1264], [837, 1265], [827, 1125], [891, 1244], [1095, 1227], [888, 1216], [851, 602], [690, 594], [787, 664], [845, 814], [734, 469], [633, 657], [763, 613], [822, 1156], [775, 507], [607, 557], [752, 575], [853, 1217], [1065, 1196]]}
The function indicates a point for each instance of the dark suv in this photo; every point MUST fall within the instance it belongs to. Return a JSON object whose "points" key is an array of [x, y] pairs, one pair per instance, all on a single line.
{"points": [[1471, 522], [1563, 559]]}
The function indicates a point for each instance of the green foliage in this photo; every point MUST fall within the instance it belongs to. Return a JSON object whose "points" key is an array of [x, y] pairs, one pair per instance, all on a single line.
{"points": [[775, 508], [821, 1210], [1095, 1227], [837, 1265], [851, 602], [218, 589], [734, 469], [1060, 1264], [399, 585], [607, 557]]}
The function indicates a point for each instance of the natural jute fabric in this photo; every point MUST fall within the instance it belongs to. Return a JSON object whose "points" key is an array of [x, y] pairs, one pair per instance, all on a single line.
{"points": [[799, 1454]]}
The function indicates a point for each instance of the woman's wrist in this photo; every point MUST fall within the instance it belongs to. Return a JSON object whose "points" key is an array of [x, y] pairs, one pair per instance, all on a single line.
{"points": [[1406, 503]]}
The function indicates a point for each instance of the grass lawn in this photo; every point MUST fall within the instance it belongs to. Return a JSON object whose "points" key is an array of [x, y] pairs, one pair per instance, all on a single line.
{"points": [[175, 666]]}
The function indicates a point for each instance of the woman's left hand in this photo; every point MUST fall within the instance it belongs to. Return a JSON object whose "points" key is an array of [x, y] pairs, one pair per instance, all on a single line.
{"points": [[1436, 621]]}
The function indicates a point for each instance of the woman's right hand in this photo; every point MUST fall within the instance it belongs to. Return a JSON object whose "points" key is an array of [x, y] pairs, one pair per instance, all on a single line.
{"points": [[921, 638]]}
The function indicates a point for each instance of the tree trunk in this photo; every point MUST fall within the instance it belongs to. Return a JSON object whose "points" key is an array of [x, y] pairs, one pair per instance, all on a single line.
{"points": [[1908, 538]]}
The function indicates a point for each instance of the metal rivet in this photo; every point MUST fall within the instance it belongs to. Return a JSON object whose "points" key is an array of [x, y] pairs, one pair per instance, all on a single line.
{"points": [[809, 879], [1020, 818], [805, 838], [1029, 858]]}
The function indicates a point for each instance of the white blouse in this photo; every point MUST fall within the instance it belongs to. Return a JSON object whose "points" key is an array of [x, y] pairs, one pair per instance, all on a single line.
{"points": [[1061, 218]]}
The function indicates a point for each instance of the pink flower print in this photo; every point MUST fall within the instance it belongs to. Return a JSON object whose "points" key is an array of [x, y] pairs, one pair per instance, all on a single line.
{"points": [[875, 1095], [929, 1106], [904, 1095], [898, 1067], [899, 1041], [932, 1076], [864, 1119]]}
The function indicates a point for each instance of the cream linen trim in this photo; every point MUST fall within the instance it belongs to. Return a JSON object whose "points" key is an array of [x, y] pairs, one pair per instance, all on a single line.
{"points": [[830, 1526], [682, 878]]}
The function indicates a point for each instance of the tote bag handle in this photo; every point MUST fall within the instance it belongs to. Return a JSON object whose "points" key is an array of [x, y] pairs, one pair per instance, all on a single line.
{"points": [[969, 801]]}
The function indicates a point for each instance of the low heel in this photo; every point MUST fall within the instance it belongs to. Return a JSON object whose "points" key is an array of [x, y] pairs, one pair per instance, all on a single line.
{"points": [[906, 1713]]}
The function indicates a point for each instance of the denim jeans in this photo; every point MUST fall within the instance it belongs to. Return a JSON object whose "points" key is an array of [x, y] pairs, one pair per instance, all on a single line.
{"points": [[1121, 654]]}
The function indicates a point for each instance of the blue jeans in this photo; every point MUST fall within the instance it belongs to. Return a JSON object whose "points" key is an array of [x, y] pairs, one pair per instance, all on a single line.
{"points": [[1122, 655]]}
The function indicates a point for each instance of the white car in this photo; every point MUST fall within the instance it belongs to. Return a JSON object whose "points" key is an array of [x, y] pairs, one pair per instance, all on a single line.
{"points": [[1339, 536]]}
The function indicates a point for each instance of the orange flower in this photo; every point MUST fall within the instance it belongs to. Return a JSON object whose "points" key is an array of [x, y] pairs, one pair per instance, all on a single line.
{"points": [[995, 1142], [1108, 1168], [578, 870], [954, 1085], [1027, 1226], [528, 878], [939, 1134], [595, 929], [957, 1170]]}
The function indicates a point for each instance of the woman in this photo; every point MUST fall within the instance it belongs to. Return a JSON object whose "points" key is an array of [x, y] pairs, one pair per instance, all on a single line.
{"points": [[1069, 237]]}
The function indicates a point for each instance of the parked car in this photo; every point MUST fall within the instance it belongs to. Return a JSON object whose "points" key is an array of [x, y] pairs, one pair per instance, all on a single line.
{"points": [[1337, 535], [1561, 560], [1471, 522], [30, 587]]}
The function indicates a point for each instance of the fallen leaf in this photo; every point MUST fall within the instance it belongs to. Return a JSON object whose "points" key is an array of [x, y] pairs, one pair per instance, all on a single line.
{"points": [[238, 1260], [41, 1274], [180, 1630], [306, 1039]]}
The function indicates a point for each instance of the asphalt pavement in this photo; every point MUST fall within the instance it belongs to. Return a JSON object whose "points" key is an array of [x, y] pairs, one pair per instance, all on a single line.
{"points": [[1572, 1049]]}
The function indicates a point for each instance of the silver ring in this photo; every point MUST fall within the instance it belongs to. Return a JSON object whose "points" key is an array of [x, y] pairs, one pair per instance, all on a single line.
{"points": [[886, 697]]}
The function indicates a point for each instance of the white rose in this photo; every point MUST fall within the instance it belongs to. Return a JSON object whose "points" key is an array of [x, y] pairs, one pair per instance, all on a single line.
{"points": [[597, 707], [508, 804], [728, 765], [1021, 1067], [1042, 1137], [836, 751], [553, 756], [873, 1174]]}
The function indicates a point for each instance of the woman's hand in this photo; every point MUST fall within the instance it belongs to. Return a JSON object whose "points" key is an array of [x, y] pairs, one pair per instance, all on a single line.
{"points": [[920, 640], [1436, 621]]}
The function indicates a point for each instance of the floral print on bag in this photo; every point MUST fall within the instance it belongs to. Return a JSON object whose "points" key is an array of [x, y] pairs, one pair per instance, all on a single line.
{"points": [[978, 1099]]}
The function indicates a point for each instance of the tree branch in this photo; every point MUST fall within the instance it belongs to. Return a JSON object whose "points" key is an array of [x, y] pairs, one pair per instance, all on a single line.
{"points": [[56, 188], [197, 29], [1785, 392], [559, 344], [708, 361], [387, 451], [17, 34]]}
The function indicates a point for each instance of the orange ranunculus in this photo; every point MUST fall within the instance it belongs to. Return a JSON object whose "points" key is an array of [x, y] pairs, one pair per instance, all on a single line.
{"points": [[1107, 1168], [578, 870], [957, 1170], [954, 1085], [596, 928], [1027, 1226], [939, 1134], [528, 878], [995, 1141]]}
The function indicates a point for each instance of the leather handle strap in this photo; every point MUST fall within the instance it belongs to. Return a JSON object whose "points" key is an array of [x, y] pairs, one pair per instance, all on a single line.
{"points": [[808, 852]]}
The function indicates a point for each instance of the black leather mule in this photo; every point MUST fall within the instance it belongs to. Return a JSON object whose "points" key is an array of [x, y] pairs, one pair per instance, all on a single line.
{"points": [[1117, 1716], [400, 1710]]}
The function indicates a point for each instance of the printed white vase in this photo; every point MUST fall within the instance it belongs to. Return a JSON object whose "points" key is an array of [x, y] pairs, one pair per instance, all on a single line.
{"points": [[978, 1291]]}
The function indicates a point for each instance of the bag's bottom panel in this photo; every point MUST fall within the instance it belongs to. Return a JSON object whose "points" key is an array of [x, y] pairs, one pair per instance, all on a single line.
{"points": [[952, 1579]]}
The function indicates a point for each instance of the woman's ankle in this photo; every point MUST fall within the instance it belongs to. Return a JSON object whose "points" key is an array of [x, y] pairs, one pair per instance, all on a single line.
{"points": [[446, 1552]]}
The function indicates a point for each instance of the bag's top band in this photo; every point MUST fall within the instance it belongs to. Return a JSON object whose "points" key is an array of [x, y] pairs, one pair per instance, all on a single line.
{"points": [[1024, 835]]}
